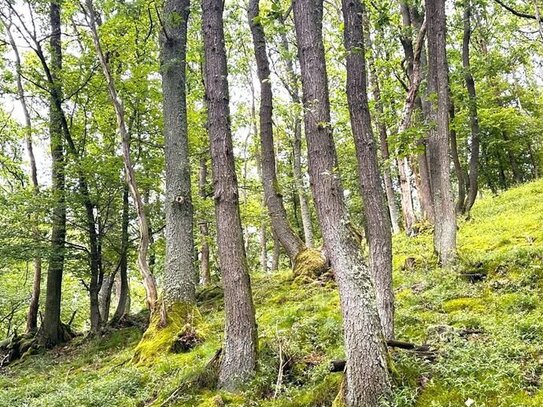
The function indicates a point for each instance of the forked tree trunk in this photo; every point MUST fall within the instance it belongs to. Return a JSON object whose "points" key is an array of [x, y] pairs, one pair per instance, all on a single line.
{"points": [[272, 194], [377, 226], [239, 351], [473, 115], [438, 138], [179, 273], [148, 278], [367, 380], [51, 331]]}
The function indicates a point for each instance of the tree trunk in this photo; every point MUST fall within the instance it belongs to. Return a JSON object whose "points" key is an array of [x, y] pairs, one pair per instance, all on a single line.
{"points": [[239, 354], [438, 138], [461, 200], [205, 272], [383, 134], [124, 291], [51, 332], [274, 201], [148, 278], [104, 296], [377, 226], [367, 381], [33, 308], [276, 254], [294, 91], [179, 273], [473, 115]]}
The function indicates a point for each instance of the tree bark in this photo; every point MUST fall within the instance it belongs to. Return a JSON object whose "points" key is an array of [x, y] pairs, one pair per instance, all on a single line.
{"points": [[148, 278], [179, 273], [205, 272], [367, 381], [473, 115], [51, 332], [438, 138], [272, 194], [378, 228], [239, 355]]}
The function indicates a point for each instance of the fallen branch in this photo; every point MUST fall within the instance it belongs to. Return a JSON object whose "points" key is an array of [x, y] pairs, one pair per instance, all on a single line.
{"points": [[421, 350]]}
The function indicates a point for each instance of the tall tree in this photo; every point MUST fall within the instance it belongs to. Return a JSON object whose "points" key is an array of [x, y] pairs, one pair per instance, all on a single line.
{"points": [[272, 195], [239, 354], [148, 278], [367, 381], [472, 105], [179, 273], [52, 330], [205, 272], [377, 221], [438, 137]]}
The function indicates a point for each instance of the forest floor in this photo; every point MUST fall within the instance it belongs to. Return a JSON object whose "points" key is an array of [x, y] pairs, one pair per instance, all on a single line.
{"points": [[486, 330]]}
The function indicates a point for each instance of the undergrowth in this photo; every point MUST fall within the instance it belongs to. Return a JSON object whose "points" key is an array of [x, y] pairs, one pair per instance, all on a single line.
{"points": [[488, 334]]}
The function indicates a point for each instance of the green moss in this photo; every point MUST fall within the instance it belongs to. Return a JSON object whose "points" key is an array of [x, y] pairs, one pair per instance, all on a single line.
{"points": [[462, 304], [310, 263], [182, 319]]}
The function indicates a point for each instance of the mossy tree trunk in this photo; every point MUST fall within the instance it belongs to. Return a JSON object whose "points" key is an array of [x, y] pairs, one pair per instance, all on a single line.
{"points": [[239, 355], [367, 380], [180, 276]]}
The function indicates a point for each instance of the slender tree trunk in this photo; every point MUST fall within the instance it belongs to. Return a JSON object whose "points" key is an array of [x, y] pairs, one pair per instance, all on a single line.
{"points": [[148, 278], [179, 274], [438, 139], [367, 381], [205, 272], [377, 226], [294, 91], [239, 352], [104, 296], [383, 133], [276, 254], [124, 291], [274, 201], [51, 332], [32, 315], [473, 115], [461, 200]]}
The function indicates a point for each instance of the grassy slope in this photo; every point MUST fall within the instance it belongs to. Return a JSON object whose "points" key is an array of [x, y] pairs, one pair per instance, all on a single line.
{"points": [[500, 366]]}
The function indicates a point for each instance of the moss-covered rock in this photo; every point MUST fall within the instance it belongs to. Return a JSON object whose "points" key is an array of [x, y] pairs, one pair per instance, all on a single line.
{"points": [[183, 329], [310, 263]]}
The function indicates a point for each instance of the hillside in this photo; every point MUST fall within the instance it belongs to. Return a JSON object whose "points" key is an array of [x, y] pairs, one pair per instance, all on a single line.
{"points": [[485, 331]]}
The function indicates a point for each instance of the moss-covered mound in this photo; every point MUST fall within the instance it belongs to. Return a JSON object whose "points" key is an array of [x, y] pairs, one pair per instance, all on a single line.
{"points": [[183, 329], [310, 263]]}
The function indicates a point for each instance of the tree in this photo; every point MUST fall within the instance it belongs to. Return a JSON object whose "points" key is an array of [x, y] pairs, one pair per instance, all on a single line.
{"points": [[272, 195], [148, 278], [438, 137], [473, 116], [367, 380], [179, 273], [51, 331], [239, 352], [377, 221]]}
